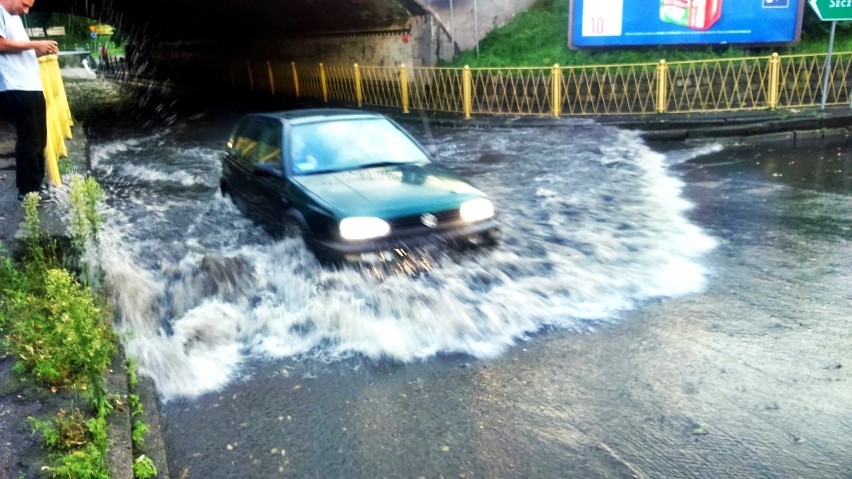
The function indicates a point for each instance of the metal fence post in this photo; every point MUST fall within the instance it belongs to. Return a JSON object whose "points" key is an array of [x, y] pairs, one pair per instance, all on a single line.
{"points": [[662, 86], [323, 83], [403, 87], [467, 102], [827, 69], [295, 78], [359, 94], [556, 91], [774, 85], [271, 78], [250, 76]]}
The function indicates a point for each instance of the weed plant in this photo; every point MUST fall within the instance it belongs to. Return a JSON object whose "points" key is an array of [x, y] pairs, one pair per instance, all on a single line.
{"points": [[138, 432], [81, 444], [64, 432], [65, 166], [144, 468], [60, 336], [56, 332], [85, 224], [40, 252], [539, 37], [53, 327]]}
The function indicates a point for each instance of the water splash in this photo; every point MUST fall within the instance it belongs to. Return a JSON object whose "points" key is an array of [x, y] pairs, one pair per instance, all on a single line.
{"points": [[593, 223]]}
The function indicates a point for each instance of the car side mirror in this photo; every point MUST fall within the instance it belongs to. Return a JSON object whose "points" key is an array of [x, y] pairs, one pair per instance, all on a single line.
{"points": [[267, 171]]}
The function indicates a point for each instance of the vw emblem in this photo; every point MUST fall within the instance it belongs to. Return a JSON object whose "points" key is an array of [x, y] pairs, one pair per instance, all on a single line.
{"points": [[429, 220]]}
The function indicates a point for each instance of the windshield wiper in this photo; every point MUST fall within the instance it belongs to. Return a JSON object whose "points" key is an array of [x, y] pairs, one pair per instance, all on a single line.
{"points": [[322, 172], [382, 163], [376, 164]]}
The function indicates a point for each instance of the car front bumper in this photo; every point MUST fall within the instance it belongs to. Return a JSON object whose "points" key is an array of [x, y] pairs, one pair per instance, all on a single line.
{"points": [[387, 248]]}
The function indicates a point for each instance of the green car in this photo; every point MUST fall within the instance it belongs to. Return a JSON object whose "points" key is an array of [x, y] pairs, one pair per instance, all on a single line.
{"points": [[355, 185]]}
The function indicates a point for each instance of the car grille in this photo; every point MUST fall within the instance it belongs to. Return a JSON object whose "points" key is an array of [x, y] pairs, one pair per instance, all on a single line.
{"points": [[415, 222]]}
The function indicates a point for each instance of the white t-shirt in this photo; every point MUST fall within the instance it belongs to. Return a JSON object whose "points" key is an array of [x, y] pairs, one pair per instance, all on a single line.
{"points": [[18, 71]]}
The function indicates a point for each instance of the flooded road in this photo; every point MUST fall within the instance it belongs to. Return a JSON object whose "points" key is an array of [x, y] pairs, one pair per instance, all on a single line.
{"points": [[648, 314]]}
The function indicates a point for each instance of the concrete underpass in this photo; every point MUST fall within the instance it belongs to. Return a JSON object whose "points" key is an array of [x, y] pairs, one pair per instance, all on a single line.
{"points": [[173, 37]]}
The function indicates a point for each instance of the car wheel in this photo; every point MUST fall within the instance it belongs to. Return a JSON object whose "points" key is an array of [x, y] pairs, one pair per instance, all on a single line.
{"points": [[491, 239], [290, 228], [223, 187], [326, 257]]}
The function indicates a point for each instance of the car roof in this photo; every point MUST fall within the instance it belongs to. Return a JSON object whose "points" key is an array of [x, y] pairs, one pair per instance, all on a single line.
{"points": [[316, 114]]}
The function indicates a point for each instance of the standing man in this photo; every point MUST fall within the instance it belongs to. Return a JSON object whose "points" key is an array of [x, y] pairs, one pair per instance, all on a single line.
{"points": [[21, 95]]}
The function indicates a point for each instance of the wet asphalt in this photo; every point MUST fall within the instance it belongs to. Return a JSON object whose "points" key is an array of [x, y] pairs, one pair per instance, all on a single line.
{"points": [[749, 378]]}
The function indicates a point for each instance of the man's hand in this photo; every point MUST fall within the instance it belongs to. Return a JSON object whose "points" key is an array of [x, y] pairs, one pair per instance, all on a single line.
{"points": [[45, 47]]}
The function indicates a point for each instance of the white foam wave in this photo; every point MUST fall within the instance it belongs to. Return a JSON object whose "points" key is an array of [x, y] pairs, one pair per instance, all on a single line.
{"points": [[107, 151], [204, 342], [689, 154]]}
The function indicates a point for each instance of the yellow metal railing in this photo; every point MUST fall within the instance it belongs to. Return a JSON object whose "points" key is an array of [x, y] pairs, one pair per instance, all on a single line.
{"points": [[718, 85], [800, 80], [613, 89], [437, 89], [380, 86], [730, 84], [59, 119]]}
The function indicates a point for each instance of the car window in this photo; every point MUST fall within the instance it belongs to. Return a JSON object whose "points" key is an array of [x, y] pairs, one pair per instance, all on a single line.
{"points": [[259, 143], [349, 144]]}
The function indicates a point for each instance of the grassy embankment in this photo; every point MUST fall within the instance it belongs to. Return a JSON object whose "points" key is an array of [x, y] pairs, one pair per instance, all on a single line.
{"points": [[539, 37]]}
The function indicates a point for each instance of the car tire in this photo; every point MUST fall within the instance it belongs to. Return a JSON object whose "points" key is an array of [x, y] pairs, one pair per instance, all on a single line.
{"points": [[223, 187], [290, 228], [491, 239]]}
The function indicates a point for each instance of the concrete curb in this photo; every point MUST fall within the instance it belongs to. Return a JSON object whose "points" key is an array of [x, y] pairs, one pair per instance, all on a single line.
{"points": [[155, 448], [730, 128], [120, 433], [119, 424], [121, 453]]}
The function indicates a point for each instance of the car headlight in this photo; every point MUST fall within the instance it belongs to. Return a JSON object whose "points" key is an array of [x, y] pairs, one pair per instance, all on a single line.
{"points": [[363, 227], [476, 210]]}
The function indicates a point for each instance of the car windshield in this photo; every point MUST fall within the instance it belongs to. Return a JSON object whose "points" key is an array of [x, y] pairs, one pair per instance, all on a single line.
{"points": [[350, 144]]}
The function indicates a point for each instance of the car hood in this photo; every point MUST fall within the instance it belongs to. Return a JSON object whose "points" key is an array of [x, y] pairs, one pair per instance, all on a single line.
{"points": [[390, 191]]}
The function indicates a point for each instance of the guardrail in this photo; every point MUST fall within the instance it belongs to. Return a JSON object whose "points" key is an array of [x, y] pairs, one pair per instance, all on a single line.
{"points": [[735, 84], [59, 119]]}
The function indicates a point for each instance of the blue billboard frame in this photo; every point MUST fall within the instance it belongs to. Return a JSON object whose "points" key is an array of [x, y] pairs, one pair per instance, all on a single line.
{"points": [[631, 23]]}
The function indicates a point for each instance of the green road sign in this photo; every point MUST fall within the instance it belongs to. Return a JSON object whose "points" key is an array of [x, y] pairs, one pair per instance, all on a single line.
{"points": [[832, 10]]}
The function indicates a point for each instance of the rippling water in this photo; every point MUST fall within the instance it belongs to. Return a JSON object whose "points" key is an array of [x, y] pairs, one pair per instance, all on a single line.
{"points": [[593, 223]]}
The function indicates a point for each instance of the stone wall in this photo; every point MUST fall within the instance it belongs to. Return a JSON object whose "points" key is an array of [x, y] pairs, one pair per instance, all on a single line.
{"points": [[428, 35], [420, 42], [471, 20], [430, 40]]}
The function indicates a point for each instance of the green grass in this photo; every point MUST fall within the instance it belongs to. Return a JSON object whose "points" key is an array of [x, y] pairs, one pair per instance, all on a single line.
{"points": [[539, 37]]}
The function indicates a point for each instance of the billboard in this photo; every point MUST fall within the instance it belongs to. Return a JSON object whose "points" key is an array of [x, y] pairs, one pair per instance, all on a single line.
{"points": [[615, 23]]}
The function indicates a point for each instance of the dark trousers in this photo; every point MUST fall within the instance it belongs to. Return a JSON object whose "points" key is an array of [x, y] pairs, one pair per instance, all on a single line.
{"points": [[26, 110]]}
